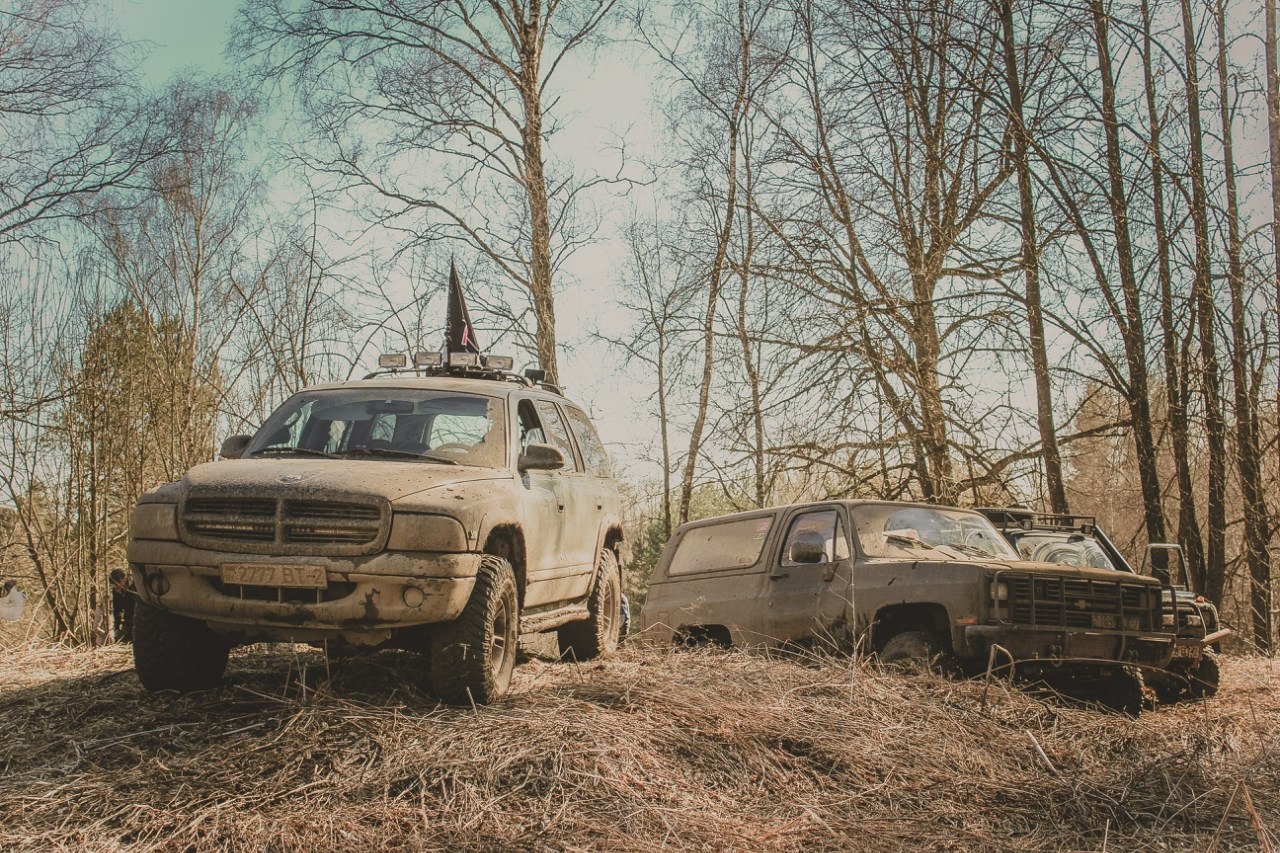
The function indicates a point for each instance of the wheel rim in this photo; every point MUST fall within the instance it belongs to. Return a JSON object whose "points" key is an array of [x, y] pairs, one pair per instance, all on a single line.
{"points": [[609, 619], [501, 643]]}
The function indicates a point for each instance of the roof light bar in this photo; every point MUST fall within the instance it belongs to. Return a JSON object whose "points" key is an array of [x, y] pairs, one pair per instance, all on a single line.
{"points": [[427, 359], [464, 359], [392, 360], [499, 362]]}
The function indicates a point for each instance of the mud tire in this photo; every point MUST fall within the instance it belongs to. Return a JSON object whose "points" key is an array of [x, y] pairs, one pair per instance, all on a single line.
{"points": [[919, 650], [1120, 691], [1203, 681], [598, 635], [172, 652], [473, 656]]}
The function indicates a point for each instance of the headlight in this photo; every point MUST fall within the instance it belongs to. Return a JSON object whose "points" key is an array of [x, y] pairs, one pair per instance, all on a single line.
{"points": [[414, 532], [1000, 591], [1167, 620], [154, 521]]}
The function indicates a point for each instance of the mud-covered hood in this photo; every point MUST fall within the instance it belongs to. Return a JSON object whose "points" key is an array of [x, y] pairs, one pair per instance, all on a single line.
{"points": [[391, 480], [1080, 572]]}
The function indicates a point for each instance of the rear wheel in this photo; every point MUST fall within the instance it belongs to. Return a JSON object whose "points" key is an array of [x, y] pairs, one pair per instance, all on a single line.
{"points": [[473, 656], [172, 652], [919, 649], [597, 635]]}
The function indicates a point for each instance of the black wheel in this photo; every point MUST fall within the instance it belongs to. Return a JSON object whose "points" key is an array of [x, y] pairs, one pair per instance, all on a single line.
{"points": [[597, 635], [919, 650], [172, 652], [1169, 686], [473, 656], [1120, 690], [1202, 682]]}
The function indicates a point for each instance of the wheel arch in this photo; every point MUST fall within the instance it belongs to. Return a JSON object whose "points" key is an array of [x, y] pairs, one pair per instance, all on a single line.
{"points": [[917, 616]]}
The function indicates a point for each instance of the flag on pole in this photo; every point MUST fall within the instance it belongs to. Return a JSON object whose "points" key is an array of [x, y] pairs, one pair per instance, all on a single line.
{"points": [[459, 335]]}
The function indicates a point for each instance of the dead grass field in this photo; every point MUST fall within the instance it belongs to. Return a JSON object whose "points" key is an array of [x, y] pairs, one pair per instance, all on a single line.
{"points": [[649, 751]]}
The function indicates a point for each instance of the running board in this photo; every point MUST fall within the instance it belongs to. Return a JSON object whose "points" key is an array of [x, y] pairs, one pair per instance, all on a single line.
{"points": [[536, 623]]}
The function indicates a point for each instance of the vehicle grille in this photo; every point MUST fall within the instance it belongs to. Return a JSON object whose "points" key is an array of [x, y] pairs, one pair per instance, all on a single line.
{"points": [[1080, 603], [280, 526]]}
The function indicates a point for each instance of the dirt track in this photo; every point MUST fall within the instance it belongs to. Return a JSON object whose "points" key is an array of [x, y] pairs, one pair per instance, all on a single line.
{"points": [[651, 751]]}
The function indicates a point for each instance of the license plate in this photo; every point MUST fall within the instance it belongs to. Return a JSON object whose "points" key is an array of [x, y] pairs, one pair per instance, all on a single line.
{"points": [[1104, 620], [1186, 652], [274, 574]]}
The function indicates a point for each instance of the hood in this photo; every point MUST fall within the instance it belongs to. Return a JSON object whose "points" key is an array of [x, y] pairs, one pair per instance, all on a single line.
{"points": [[1080, 572], [391, 480]]}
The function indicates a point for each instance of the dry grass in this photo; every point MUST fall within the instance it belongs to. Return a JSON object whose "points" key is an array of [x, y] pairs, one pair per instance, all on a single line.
{"points": [[649, 751]]}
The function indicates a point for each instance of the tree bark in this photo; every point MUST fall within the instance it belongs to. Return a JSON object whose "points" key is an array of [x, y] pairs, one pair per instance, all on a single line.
{"points": [[1202, 299], [1176, 391], [1131, 329], [1030, 263], [1248, 451]]}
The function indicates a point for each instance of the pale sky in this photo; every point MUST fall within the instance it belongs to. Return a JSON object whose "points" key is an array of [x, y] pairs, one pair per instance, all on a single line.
{"points": [[609, 98]]}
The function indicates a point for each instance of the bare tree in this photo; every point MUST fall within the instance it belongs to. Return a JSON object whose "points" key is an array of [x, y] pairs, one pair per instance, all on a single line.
{"points": [[1248, 450], [68, 127], [442, 111], [1030, 262]]}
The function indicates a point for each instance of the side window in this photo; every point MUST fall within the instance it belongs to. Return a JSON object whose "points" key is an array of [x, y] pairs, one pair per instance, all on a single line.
{"points": [[557, 433], [820, 530], [594, 456], [718, 547], [530, 427]]}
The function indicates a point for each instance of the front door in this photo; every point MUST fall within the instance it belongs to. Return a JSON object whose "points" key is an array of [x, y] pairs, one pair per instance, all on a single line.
{"points": [[811, 579]]}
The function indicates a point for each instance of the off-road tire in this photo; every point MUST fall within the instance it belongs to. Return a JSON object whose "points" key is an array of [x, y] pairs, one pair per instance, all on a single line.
{"points": [[598, 634], [172, 652], [1202, 682], [919, 650], [473, 656], [1169, 686], [1120, 691]]}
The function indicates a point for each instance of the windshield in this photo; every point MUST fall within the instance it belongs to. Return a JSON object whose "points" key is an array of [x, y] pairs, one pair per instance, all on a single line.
{"points": [[1064, 547], [927, 533], [395, 424]]}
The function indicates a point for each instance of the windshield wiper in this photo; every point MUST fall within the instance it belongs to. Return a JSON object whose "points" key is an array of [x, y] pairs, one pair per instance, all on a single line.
{"points": [[398, 454], [299, 451], [972, 550]]}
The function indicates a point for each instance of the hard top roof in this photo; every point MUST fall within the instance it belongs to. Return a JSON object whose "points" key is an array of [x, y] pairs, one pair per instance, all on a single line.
{"points": [[849, 502]]}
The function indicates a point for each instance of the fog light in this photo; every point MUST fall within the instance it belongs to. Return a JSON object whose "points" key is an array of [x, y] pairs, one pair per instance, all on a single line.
{"points": [[413, 597], [157, 584]]}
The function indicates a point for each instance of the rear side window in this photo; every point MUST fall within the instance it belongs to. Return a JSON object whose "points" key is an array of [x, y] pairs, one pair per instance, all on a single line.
{"points": [[593, 452], [717, 547]]}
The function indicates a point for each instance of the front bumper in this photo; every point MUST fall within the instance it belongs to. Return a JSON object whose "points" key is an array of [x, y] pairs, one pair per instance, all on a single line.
{"points": [[363, 600], [1028, 643]]}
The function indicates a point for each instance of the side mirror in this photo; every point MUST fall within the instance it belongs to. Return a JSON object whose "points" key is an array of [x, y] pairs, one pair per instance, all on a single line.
{"points": [[808, 551], [540, 457], [235, 446]]}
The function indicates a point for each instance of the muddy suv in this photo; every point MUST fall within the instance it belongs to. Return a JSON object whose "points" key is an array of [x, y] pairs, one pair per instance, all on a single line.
{"points": [[444, 511], [1077, 540], [909, 582]]}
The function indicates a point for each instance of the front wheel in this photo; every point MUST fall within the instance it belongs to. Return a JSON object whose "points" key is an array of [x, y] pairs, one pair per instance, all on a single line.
{"points": [[597, 635], [473, 657], [1120, 691], [1202, 682], [172, 652], [921, 649]]}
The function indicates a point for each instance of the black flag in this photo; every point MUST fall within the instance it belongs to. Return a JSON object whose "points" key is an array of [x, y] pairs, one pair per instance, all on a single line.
{"points": [[459, 335]]}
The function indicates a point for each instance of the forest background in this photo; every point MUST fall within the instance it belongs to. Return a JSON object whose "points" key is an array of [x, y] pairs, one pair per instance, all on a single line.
{"points": [[978, 252]]}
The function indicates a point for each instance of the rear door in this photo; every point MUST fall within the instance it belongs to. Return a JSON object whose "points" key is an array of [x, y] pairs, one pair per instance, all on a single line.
{"points": [[812, 599]]}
